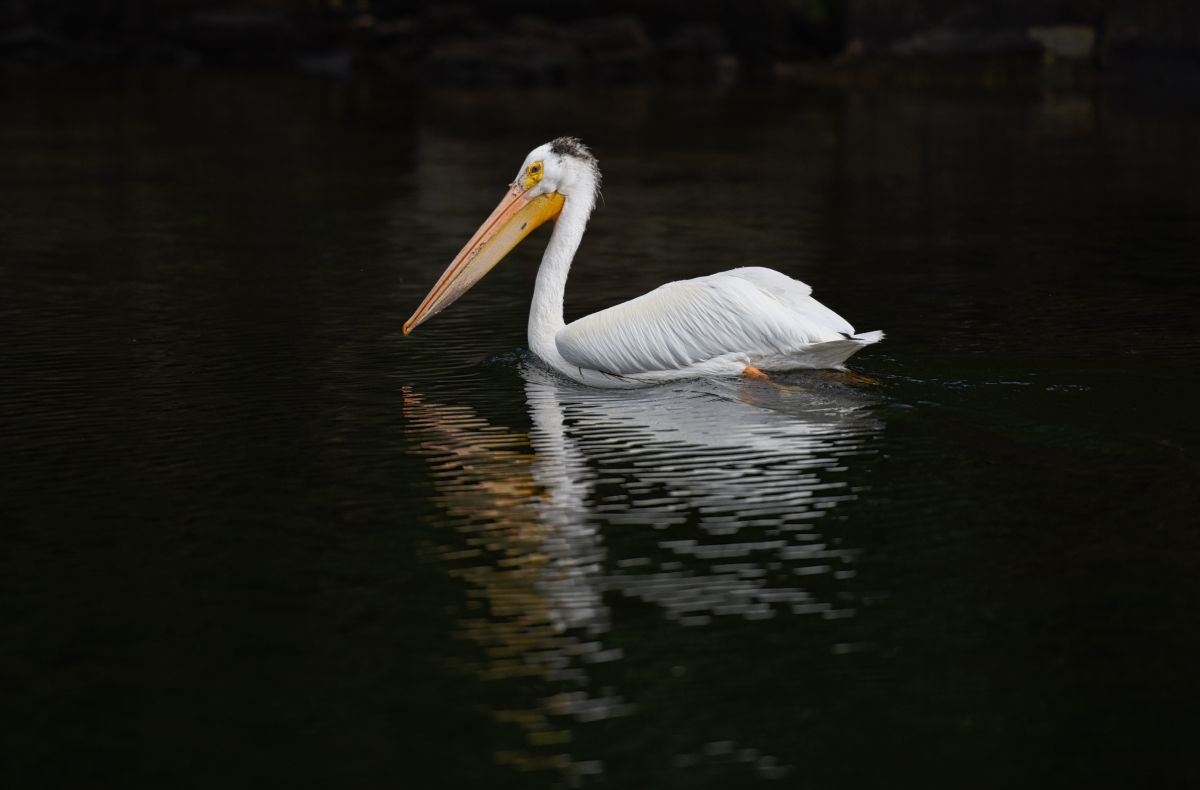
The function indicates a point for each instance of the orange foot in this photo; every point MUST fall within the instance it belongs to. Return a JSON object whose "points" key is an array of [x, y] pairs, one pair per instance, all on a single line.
{"points": [[755, 373]]}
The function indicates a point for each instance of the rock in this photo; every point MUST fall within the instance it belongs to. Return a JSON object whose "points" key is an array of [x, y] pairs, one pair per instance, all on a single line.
{"points": [[697, 52], [614, 47], [387, 32], [531, 50], [238, 37], [386, 45], [947, 41], [31, 45], [534, 27], [947, 27], [1068, 42], [450, 20], [1156, 40]]}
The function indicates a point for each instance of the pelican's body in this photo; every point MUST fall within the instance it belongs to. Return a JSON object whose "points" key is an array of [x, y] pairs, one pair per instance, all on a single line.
{"points": [[743, 320]]}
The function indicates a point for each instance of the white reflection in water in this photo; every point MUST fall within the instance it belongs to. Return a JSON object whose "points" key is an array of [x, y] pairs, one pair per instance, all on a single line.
{"points": [[731, 478]]}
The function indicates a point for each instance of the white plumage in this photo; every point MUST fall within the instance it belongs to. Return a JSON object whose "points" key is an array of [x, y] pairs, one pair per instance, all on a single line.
{"points": [[722, 323], [718, 325]]}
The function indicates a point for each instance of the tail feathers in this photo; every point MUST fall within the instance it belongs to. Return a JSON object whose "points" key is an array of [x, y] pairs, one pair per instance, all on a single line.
{"points": [[829, 354], [833, 353], [868, 337]]}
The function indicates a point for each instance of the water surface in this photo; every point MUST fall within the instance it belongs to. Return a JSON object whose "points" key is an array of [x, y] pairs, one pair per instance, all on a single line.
{"points": [[255, 536]]}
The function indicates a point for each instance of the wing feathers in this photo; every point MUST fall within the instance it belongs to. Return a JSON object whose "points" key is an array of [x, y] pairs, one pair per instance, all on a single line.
{"points": [[754, 311]]}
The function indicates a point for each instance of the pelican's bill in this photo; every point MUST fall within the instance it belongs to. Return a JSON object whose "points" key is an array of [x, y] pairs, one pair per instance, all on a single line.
{"points": [[513, 219]]}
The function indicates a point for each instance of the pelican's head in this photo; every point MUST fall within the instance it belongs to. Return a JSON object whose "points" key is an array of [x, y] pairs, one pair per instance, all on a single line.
{"points": [[564, 165], [550, 175]]}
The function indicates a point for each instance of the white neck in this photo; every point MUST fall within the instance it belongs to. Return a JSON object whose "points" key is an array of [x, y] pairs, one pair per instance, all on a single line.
{"points": [[546, 310]]}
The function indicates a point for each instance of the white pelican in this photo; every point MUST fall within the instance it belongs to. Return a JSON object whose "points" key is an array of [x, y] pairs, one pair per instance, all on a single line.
{"points": [[740, 322]]}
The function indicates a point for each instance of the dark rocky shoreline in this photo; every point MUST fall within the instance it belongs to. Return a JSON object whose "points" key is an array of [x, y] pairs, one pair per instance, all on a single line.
{"points": [[517, 42]]}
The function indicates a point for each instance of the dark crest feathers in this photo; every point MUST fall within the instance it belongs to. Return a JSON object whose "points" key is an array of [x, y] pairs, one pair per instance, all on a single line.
{"points": [[572, 146]]}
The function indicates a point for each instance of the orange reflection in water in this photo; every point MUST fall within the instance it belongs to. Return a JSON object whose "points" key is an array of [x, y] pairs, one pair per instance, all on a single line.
{"points": [[529, 583], [730, 481]]}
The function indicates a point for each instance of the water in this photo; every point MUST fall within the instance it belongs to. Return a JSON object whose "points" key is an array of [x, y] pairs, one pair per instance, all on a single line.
{"points": [[255, 536]]}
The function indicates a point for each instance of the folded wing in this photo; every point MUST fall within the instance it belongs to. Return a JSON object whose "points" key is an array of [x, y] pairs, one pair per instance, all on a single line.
{"points": [[755, 311]]}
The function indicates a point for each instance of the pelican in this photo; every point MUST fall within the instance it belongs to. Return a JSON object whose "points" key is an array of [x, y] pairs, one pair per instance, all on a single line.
{"points": [[740, 322]]}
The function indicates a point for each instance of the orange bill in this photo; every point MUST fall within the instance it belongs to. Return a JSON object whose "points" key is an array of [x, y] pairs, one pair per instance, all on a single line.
{"points": [[516, 217]]}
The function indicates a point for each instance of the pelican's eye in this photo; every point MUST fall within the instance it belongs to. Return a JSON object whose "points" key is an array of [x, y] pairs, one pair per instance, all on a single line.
{"points": [[533, 174]]}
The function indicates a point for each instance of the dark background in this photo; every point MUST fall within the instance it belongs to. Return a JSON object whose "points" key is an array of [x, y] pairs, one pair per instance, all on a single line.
{"points": [[541, 41]]}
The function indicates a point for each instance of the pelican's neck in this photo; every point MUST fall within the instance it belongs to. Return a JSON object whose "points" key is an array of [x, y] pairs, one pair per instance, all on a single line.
{"points": [[546, 310]]}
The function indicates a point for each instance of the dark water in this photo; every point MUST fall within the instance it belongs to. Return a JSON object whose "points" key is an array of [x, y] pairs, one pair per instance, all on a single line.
{"points": [[255, 537]]}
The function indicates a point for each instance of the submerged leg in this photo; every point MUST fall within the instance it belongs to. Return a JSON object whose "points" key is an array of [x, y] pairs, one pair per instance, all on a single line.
{"points": [[752, 372], [850, 376]]}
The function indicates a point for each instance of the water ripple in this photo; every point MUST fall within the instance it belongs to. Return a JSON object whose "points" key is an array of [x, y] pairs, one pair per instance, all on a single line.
{"points": [[719, 485]]}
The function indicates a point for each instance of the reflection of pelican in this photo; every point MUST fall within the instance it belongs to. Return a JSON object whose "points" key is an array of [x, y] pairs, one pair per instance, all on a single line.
{"points": [[713, 456], [735, 322], [529, 563], [713, 492]]}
